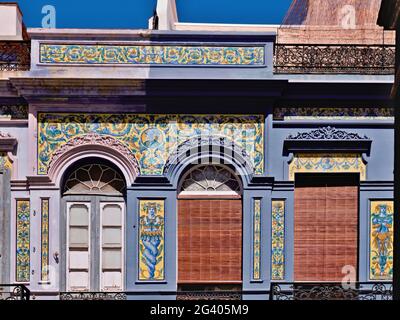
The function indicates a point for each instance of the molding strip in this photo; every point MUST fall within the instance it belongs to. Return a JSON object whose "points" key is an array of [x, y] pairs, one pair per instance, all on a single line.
{"points": [[44, 252], [256, 239], [23, 241], [278, 240]]}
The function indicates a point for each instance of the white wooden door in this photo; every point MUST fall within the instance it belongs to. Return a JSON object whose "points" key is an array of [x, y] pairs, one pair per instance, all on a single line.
{"points": [[78, 246], [112, 246]]}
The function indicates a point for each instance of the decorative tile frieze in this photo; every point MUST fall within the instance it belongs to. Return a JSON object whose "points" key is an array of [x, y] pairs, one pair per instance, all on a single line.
{"points": [[151, 240], [175, 55], [148, 140], [381, 240], [44, 274], [257, 239], [310, 113], [327, 163], [278, 240], [23, 241]]}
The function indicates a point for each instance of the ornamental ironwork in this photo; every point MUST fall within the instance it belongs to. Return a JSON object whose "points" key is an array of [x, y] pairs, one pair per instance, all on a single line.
{"points": [[333, 113], [327, 133], [15, 55], [14, 292], [95, 179], [332, 291], [210, 178], [208, 295], [14, 112], [345, 59], [92, 296]]}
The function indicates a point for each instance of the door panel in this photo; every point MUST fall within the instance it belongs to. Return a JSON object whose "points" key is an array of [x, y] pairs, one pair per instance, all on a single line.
{"points": [[210, 241], [112, 249], [78, 249], [326, 226]]}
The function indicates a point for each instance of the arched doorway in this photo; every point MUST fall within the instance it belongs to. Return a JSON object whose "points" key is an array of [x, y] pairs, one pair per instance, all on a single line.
{"points": [[209, 229], [93, 200]]}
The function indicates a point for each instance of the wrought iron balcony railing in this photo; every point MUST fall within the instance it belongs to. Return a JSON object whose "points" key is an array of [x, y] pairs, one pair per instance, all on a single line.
{"points": [[92, 296], [336, 59], [179, 295], [15, 55], [331, 291], [278, 291], [14, 292]]}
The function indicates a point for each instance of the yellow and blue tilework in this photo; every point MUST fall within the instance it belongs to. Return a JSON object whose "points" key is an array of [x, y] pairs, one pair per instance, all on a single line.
{"points": [[278, 240], [151, 240], [44, 252], [151, 138], [23, 241], [151, 55], [257, 239], [327, 163], [381, 240]]}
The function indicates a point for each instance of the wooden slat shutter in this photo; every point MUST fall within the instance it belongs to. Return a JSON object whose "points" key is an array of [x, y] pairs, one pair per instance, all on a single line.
{"points": [[326, 227], [210, 241]]}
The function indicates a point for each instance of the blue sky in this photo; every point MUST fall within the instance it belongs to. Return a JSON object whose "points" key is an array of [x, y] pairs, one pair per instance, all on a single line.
{"points": [[135, 13]]}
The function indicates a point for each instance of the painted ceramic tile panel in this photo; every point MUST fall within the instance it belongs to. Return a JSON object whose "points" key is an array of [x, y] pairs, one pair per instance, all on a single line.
{"points": [[5, 162], [381, 240], [45, 241], [278, 240], [23, 241], [328, 163], [151, 240], [151, 55], [151, 138], [256, 238]]}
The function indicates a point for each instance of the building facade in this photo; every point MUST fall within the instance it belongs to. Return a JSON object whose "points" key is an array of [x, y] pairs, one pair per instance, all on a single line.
{"points": [[197, 160]]}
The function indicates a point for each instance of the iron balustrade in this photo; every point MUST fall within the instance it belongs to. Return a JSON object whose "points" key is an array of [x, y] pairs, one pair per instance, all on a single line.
{"points": [[331, 291], [92, 296], [15, 55], [14, 292], [336, 59], [278, 291], [179, 295]]}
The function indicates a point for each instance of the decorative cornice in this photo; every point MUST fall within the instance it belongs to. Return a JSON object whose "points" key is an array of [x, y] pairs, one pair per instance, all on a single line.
{"points": [[326, 139], [100, 140], [327, 133]]}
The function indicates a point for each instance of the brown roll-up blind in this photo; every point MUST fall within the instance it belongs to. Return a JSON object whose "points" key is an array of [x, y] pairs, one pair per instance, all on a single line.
{"points": [[210, 241], [326, 226]]}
